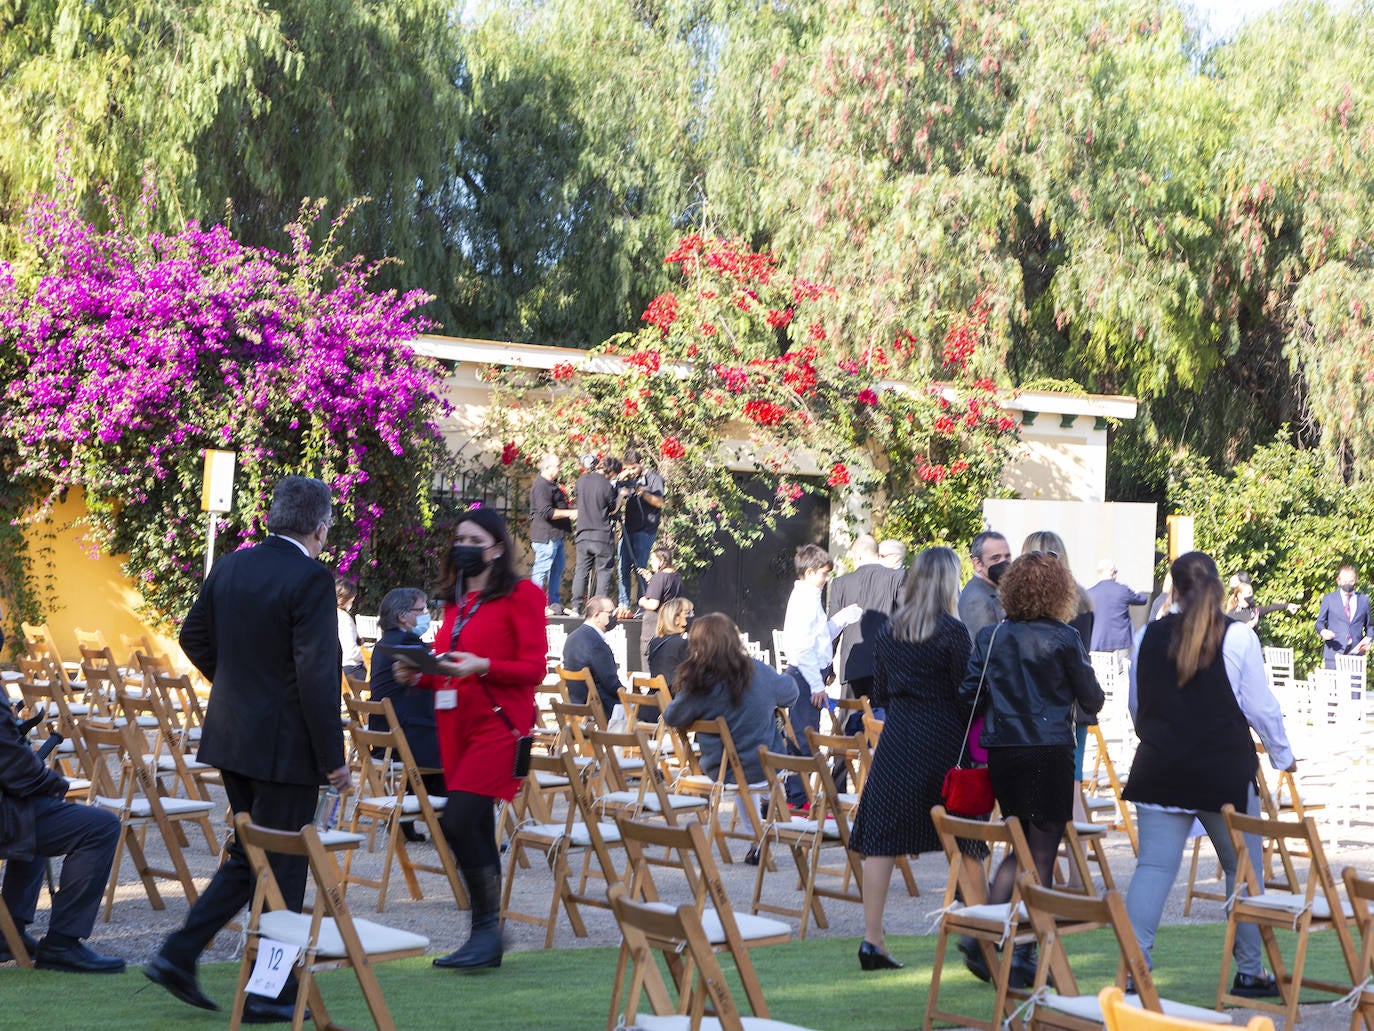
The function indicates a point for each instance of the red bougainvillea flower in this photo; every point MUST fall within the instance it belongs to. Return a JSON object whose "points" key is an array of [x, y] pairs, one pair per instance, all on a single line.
{"points": [[645, 361], [564, 370], [779, 319], [839, 475], [734, 378], [765, 413], [509, 453], [671, 448], [801, 377], [1005, 423], [848, 365], [662, 312], [945, 424], [985, 384], [631, 407], [815, 331], [867, 396], [958, 466]]}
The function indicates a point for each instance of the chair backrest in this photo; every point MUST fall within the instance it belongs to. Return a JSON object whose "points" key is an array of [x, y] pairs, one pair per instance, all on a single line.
{"points": [[814, 775], [1050, 909], [369, 627], [574, 722], [1118, 1015], [1360, 891], [849, 750], [642, 924], [584, 677], [179, 694], [967, 877], [1297, 836], [780, 657], [92, 639]]}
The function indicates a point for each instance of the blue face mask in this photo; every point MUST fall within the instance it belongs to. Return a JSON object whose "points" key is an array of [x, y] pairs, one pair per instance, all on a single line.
{"points": [[421, 624]]}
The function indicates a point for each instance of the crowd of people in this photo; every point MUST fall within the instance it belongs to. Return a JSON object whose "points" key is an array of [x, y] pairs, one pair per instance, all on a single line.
{"points": [[998, 670]]}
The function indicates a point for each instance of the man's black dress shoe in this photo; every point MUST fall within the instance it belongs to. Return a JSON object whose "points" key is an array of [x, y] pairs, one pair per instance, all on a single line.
{"points": [[7, 956], [1255, 986], [177, 980], [76, 959], [258, 1009], [973, 960]]}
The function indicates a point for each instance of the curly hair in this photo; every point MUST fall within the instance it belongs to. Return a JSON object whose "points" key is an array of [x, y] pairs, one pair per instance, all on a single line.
{"points": [[1038, 586]]}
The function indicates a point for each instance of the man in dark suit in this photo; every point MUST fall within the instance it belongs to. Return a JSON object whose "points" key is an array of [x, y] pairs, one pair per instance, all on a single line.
{"points": [[264, 633], [1343, 619], [597, 502], [586, 648], [42, 823], [1113, 631], [877, 590]]}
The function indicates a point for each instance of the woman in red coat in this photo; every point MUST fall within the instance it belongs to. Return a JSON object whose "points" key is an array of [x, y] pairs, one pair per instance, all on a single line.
{"points": [[493, 643]]}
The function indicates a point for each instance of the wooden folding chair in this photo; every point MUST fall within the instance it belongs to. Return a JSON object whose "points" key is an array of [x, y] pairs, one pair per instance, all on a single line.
{"points": [[626, 765], [993, 926], [1120, 1013], [644, 929], [166, 759], [388, 803], [746, 821], [581, 832], [11, 933], [705, 891], [850, 752], [329, 937], [1316, 906], [587, 688], [1066, 1008], [645, 692], [1360, 891], [137, 803], [825, 827], [43, 691], [1101, 791]]}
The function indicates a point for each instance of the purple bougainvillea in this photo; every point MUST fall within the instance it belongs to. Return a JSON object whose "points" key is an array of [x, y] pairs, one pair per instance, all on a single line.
{"points": [[124, 354]]}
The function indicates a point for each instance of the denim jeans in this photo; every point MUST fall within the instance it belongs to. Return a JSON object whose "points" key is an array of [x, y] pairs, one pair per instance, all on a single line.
{"points": [[635, 546], [549, 560], [1163, 836]]}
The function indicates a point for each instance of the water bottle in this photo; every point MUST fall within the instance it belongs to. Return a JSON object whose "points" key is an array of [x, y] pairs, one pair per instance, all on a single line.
{"points": [[326, 809]]}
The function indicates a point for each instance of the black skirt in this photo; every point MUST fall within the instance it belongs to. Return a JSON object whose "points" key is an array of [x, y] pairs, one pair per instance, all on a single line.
{"points": [[1033, 784]]}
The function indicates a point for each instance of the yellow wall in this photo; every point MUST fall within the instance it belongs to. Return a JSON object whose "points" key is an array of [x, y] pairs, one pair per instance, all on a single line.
{"points": [[88, 589]]}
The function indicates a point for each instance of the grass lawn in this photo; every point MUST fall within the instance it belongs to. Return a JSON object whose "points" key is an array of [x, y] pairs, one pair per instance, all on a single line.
{"points": [[816, 984]]}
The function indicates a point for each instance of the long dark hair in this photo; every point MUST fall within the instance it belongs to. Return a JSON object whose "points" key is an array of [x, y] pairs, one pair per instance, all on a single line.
{"points": [[1197, 635], [715, 655], [503, 578]]}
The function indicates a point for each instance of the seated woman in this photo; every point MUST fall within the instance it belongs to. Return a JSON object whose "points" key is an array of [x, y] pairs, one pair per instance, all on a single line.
{"points": [[669, 645], [718, 678]]}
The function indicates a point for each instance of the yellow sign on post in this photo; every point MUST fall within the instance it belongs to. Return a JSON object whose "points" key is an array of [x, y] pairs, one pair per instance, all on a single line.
{"points": [[217, 486], [216, 495], [1180, 531]]}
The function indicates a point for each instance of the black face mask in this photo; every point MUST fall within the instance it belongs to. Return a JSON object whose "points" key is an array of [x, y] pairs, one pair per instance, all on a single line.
{"points": [[1349, 588], [996, 570], [469, 559]]}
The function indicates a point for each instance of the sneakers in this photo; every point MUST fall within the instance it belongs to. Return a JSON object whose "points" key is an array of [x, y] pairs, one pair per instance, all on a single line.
{"points": [[1255, 986]]}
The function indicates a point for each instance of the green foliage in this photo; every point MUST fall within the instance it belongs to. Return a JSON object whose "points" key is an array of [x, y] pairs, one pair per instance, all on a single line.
{"points": [[733, 374], [1284, 517]]}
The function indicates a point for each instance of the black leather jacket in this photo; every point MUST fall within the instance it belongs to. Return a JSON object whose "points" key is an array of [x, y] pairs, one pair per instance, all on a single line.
{"points": [[1036, 671]]}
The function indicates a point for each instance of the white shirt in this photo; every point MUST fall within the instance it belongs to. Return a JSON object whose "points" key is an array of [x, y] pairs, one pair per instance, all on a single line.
{"points": [[304, 550], [1244, 659], [807, 636], [348, 640]]}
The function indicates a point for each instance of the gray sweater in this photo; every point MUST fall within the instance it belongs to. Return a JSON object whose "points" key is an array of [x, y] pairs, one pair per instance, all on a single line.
{"points": [[751, 722]]}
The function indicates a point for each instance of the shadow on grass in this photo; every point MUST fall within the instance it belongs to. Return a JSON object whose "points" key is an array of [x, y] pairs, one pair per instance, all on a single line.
{"points": [[815, 984]]}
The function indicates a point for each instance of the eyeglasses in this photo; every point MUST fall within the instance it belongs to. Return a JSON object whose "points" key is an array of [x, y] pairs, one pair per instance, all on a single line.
{"points": [[420, 611]]}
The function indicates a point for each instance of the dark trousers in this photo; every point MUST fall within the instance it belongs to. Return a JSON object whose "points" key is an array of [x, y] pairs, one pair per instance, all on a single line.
{"points": [[469, 824], [597, 555], [635, 546], [802, 715], [287, 807], [87, 837]]}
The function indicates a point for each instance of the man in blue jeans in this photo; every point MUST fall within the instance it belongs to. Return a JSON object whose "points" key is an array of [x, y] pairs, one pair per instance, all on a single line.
{"points": [[643, 510], [550, 522]]}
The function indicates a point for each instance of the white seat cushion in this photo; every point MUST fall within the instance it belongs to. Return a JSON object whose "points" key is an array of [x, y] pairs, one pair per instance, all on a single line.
{"points": [[1286, 902], [550, 780], [676, 802], [578, 835], [140, 807], [341, 839], [995, 912], [1090, 830], [750, 927], [410, 805], [294, 929], [801, 823], [1086, 1007], [650, 1022]]}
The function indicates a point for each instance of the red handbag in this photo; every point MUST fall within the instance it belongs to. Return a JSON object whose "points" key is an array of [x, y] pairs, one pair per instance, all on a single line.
{"points": [[967, 791]]}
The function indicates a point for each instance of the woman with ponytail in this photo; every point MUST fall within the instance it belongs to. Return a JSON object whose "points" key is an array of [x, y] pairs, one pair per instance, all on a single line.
{"points": [[1197, 689]]}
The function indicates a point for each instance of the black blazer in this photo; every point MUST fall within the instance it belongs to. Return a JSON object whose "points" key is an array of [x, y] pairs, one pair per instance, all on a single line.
{"points": [[414, 705], [264, 633], [585, 648], [877, 590]]}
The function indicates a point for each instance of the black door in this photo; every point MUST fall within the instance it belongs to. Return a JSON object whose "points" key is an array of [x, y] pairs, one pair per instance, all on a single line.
{"points": [[751, 585]]}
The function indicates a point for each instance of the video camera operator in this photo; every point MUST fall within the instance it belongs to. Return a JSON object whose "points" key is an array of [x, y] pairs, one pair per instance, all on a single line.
{"points": [[640, 491]]}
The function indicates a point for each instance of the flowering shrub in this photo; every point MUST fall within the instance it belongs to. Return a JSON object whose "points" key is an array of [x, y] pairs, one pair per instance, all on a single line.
{"points": [[124, 354], [740, 352]]}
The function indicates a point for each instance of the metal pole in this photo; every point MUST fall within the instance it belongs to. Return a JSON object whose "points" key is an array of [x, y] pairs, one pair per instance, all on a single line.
{"points": [[209, 542]]}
